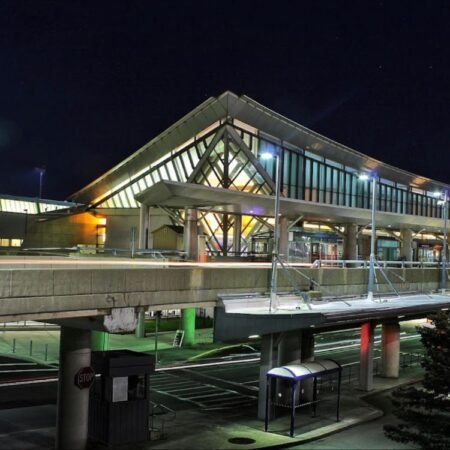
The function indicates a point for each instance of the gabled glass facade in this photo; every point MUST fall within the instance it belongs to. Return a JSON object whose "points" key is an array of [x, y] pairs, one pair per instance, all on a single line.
{"points": [[227, 155]]}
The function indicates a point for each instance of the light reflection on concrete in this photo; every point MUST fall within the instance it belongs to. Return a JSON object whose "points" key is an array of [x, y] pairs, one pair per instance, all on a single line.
{"points": [[293, 304]]}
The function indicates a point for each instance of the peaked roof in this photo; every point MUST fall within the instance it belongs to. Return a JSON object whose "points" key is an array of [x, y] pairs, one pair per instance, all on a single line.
{"points": [[251, 112], [176, 228]]}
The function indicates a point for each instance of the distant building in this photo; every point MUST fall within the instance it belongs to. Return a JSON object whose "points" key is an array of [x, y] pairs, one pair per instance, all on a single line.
{"points": [[168, 237], [27, 222]]}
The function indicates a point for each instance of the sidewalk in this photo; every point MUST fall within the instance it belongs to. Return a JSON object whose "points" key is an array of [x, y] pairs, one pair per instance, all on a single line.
{"points": [[241, 429]]}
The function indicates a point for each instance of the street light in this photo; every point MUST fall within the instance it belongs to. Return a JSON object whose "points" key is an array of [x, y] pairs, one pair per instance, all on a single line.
{"points": [[41, 171], [373, 236], [443, 200], [26, 223], [275, 248]]}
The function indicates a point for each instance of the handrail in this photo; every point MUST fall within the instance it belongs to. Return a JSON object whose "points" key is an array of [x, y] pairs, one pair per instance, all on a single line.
{"points": [[164, 410], [365, 264]]}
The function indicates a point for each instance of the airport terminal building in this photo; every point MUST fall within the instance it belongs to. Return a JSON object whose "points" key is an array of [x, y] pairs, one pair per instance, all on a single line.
{"points": [[205, 187]]}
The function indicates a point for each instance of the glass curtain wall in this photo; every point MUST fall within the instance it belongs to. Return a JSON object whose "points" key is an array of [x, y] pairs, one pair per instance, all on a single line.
{"points": [[221, 161]]}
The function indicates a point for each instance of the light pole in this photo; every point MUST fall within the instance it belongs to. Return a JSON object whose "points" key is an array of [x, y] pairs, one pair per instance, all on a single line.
{"points": [[373, 235], [275, 248], [26, 223], [443, 200], [41, 171]]}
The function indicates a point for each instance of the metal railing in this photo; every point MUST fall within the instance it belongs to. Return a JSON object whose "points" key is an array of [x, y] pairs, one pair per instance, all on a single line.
{"points": [[158, 254], [365, 264], [350, 371], [162, 414]]}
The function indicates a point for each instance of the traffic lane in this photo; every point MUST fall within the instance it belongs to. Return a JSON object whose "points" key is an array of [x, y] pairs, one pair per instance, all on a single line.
{"points": [[24, 383], [14, 369], [28, 428], [227, 376], [29, 394], [348, 354]]}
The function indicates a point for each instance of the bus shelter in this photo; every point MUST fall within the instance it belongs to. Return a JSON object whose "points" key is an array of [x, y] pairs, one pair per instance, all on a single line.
{"points": [[296, 373]]}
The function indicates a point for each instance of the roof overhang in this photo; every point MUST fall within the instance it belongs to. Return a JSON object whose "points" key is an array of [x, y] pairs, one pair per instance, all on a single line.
{"points": [[243, 108], [239, 318], [184, 195], [308, 369]]}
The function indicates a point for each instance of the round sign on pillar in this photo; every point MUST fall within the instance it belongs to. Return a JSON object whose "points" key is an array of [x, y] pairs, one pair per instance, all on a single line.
{"points": [[85, 377]]}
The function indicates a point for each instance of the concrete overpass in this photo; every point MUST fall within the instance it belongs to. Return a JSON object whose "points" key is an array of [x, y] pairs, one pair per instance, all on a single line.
{"points": [[63, 288], [107, 294]]}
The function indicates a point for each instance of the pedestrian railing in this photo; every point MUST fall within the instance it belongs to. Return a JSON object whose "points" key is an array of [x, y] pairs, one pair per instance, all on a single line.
{"points": [[159, 414], [350, 371], [365, 264], [29, 348]]}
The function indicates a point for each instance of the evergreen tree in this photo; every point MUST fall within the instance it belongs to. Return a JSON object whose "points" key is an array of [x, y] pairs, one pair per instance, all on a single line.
{"points": [[425, 410]]}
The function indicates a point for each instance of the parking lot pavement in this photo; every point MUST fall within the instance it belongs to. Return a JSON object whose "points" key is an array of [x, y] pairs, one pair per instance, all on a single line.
{"points": [[201, 427]]}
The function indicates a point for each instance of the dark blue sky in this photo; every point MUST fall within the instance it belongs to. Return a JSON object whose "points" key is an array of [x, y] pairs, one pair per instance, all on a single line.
{"points": [[84, 84]]}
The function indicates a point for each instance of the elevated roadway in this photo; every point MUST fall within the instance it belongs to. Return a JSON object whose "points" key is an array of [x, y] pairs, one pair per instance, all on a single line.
{"points": [[58, 288]]}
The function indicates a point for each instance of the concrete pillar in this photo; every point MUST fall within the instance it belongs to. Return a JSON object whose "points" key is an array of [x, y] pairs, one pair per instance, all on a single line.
{"points": [[73, 402], [190, 234], [366, 356], [237, 231], [284, 238], [289, 352], [390, 349], [268, 361], [99, 341], [350, 241], [289, 348], [307, 352], [143, 226], [188, 325], [140, 326], [363, 246], [406, 245]]}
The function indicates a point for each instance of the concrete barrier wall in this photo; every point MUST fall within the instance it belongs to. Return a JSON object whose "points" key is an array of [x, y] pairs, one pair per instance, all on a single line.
{"points": [[43, 291]]}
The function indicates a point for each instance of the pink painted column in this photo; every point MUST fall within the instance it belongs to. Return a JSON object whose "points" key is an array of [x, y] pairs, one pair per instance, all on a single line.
{"points": [[366, 356]]}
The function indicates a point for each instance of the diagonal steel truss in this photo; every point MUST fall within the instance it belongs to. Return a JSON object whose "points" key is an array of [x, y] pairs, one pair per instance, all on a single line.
{"points": [[228, 163]]}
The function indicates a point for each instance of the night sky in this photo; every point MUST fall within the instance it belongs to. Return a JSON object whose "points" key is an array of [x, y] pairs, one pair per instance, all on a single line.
{"points": [[85, 84]]}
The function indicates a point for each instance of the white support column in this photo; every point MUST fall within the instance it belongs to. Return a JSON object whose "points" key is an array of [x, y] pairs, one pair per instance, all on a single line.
{"points": [[390, 349], [143, 226], [289, 352], [73, 402], [267, 362], [350, 242], [190, 234], [283, 247], [366, 357], [237, 229], [406, 245]]}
